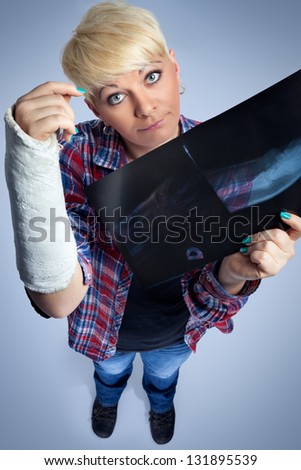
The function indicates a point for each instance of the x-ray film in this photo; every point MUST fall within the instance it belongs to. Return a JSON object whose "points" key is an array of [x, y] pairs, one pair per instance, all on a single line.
{"points": [[194, 199]]}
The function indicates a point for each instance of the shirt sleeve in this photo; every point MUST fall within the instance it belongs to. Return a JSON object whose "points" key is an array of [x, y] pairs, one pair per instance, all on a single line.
{"points": [[78, 210], [211, 303]]}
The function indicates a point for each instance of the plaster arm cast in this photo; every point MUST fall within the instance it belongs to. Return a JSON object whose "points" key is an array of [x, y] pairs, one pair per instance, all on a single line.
{"points": [[34, 182]]}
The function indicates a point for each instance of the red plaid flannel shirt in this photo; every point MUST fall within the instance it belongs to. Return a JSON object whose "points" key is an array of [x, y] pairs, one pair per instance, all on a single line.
{"points": [[94, 325]]}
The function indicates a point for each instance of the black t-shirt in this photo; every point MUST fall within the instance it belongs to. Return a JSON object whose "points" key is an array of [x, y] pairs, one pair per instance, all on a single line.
{"points": [[154, 317]]}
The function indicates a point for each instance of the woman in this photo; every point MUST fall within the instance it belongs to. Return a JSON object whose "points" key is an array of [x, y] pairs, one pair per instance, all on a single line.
{"points": [[119, 60]]}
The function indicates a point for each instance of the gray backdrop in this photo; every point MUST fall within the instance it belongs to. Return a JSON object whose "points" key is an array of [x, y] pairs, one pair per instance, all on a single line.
{"points": [[240, 391]]}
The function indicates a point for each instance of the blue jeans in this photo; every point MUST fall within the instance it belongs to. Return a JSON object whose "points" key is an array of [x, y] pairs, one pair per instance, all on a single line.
{"points": [[160, 375]]}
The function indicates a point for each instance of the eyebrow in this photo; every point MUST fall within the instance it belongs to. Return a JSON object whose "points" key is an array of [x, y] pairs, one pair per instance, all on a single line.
{"points": [[112, 85], [115, 85]]}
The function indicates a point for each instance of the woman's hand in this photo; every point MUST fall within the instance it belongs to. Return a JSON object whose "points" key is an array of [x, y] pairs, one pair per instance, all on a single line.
{"points": [[46, 109], [264, 256]]}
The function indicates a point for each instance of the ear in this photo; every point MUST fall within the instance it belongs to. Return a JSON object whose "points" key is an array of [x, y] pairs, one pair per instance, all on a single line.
{"points": [[94, 110], [175, 64]]}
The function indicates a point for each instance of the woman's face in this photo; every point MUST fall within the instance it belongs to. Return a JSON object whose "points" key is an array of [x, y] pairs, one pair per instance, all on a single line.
{"points": [[143, 106]]}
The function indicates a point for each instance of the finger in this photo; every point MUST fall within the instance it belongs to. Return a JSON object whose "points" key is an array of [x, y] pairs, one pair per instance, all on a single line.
{"points": [[257, 237], [34, 113], [294, 232], [42, 101], [47, 88], [43, 128], [278, 236], [294, 222], [258, 251], [25, 107], [65, 135]]}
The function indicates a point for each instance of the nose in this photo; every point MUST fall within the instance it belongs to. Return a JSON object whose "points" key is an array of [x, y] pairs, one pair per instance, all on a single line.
{"points": [[145, 104]]}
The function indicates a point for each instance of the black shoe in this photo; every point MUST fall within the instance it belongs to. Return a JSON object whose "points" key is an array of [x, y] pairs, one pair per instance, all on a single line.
{"points": [[162, 425], [103, 419]]}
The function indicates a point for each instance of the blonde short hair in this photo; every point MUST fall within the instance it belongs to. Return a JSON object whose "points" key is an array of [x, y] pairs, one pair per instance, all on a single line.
{"points": [[113, 38]]}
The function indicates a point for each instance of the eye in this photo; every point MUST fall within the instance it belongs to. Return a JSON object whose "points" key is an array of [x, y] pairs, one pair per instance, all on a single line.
{"points": [[115, 99], [153, 77]]}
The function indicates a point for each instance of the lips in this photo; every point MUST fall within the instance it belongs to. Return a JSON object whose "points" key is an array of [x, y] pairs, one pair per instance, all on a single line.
{"points": [[153, 126]]}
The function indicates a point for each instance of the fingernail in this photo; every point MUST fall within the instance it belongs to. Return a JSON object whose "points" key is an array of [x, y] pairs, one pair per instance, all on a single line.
{"points": [[244, 249], [247, 240], [285, 215], [82, 90]]}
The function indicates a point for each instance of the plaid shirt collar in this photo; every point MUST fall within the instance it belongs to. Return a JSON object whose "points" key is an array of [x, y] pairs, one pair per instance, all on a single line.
{"points": [[112, 153]]}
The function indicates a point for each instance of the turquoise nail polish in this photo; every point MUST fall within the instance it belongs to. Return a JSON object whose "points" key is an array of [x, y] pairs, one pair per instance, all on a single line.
{"points": [[71, 138], [244, 249], [285, 215], [82, 90], [247, 240]]}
